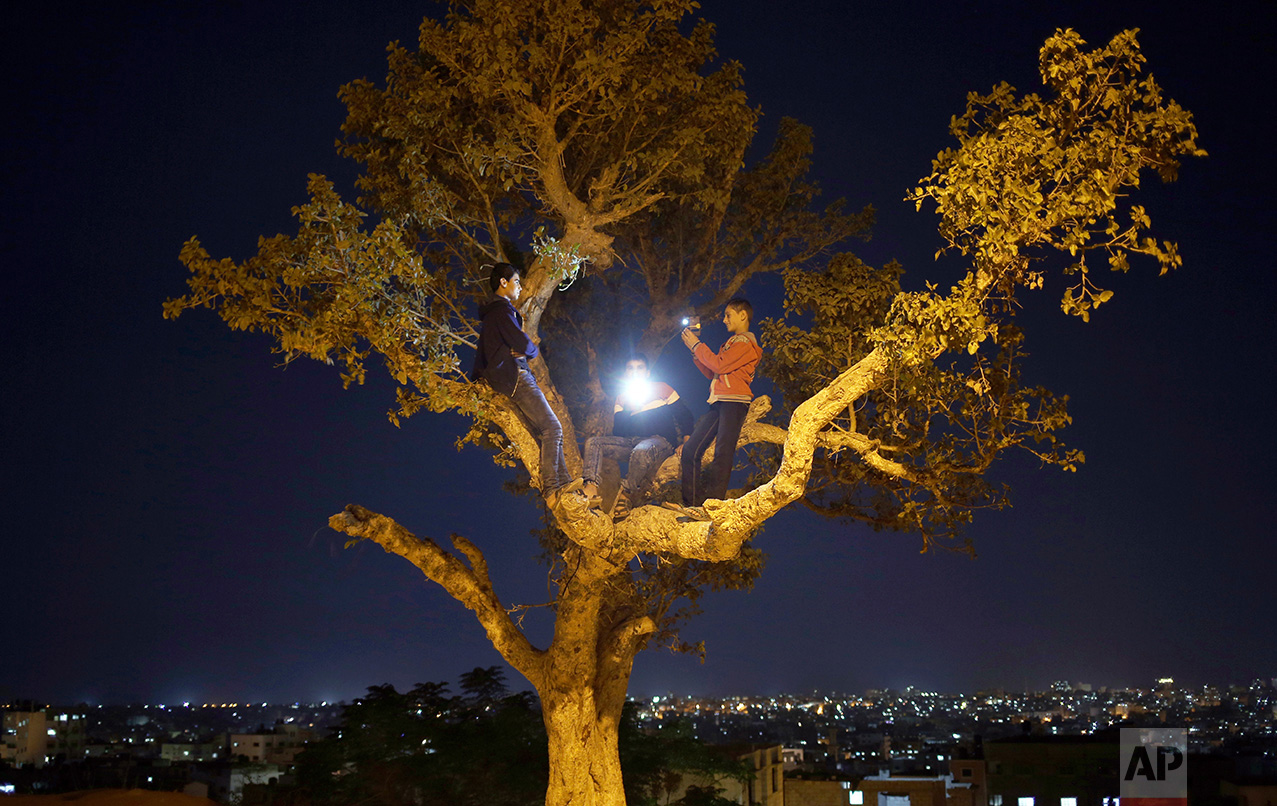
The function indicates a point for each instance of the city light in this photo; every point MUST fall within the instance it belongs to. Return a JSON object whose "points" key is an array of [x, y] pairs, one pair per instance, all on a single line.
{"points": [[922, 731]]}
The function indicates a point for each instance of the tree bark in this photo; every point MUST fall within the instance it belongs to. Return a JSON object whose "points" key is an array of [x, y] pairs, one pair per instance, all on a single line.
{"points": [[587, 672], [585, 767]]}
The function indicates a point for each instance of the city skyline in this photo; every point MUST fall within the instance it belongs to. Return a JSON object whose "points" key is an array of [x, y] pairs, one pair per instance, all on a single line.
{"points": [[1055, 687], [174, 482]]}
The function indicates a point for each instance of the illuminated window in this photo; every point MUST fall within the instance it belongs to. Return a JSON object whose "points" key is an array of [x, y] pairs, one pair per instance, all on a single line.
{"points": [[995, 800], [1068, 801], [1024, 802], [856, 797]]}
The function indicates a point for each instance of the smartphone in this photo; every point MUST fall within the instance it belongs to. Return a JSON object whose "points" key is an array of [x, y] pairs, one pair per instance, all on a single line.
{"points": [[694, 322]]}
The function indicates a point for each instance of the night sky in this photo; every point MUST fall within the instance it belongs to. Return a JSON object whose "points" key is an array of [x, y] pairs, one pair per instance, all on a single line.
{"points": [[167, 485]]}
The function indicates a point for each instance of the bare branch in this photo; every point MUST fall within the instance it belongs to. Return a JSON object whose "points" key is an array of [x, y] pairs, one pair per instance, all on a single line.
{"points": [[470, 586]]}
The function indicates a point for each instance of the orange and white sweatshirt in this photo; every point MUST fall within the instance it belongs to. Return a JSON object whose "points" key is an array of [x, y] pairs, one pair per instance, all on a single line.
{"points": [[732, 369]]}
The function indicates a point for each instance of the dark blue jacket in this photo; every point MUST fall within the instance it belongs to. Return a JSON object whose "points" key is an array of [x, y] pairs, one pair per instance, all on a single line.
{"points": [[500, 336]]}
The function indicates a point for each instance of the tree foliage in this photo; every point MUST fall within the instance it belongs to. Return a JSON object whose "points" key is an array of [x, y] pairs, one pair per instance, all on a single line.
{"points": [[1031, 176], [1055, 171]]}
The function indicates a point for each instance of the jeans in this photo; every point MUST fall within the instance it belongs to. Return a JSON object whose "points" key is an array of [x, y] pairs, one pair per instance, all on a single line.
{"points": [[644, 455], [723, 420], [528, 397]]}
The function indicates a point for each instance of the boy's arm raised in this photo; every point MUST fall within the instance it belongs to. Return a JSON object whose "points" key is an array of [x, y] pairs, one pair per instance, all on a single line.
{"points": [[733, 355]]}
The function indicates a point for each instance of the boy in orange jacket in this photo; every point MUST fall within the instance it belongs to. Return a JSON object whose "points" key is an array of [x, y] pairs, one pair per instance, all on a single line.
{"points": [[730, 372]]}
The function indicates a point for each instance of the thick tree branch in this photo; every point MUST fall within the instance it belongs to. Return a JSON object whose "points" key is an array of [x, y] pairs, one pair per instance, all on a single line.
{"points": [[623, 641], [833, 440], [470, 586]]}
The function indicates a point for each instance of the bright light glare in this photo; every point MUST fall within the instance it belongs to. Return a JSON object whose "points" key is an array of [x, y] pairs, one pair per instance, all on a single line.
{"points": [[636, 391]]}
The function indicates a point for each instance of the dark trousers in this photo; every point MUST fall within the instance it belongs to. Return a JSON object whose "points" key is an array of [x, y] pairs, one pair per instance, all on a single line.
{"points": [[644, 456], [723, 421], [528, 397]]}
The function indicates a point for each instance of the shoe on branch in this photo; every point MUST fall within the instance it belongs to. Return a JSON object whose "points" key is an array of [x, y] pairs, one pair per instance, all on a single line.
{"points": [[621, 508]]}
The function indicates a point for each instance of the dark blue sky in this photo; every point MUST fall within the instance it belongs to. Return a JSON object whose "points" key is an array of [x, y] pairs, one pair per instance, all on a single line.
{"points": [[167, 486]]}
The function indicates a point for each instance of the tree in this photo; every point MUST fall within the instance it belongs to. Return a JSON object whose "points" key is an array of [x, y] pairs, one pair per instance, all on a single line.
{"points": [[423, 747], [484, 746], [605, 135]]}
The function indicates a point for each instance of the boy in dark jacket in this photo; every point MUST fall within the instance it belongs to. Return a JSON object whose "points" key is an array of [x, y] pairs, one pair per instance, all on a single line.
{"points": [[502, 360], [730, 372]]}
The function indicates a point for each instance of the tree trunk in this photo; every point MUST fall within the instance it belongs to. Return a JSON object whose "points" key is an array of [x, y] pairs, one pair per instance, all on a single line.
{"points": [[585, 767], [582, 688]]}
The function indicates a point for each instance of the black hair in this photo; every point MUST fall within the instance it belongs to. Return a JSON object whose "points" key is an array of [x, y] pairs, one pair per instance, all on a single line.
{"points": [[500, 271], [741, 304], [637, 356]]}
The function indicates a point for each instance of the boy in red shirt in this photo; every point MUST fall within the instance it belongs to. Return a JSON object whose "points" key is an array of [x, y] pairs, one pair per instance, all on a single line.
{"points": [[730, 372]]}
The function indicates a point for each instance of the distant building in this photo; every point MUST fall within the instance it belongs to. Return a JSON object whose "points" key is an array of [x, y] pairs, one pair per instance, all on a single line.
{"points": [[281, 746], [36, 737], [903, 790], [793, 758], [1053, 770], [193, 751], [804, 792], [765, 787], [225, 782], [964, 786], [972, 773]]}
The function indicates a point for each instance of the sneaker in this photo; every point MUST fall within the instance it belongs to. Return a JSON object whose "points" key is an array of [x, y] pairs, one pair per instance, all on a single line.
{"points": [[621, 508], [572, 501], [695, 513]]}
